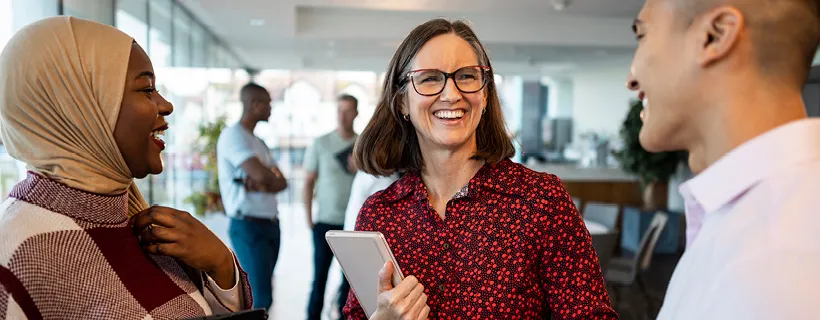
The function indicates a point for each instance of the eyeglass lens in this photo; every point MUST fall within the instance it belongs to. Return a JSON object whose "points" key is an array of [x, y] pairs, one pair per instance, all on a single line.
{"points": [[431, 82]]}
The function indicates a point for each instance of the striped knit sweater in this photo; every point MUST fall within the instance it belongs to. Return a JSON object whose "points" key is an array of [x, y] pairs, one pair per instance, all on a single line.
{"points": [[68, 254]]}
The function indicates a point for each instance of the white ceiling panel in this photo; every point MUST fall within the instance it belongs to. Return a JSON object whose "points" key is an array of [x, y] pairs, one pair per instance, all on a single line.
{"points": [[362, 34]]}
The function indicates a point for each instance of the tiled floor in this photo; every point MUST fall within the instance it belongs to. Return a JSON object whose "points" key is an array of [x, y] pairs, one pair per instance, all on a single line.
{"points": [[294, 270]]}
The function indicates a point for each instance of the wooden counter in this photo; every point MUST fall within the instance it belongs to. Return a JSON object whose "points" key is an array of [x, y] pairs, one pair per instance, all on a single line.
{"points": [[610, 185]]}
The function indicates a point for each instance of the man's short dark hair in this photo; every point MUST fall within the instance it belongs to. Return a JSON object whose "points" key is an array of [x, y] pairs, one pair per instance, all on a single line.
{"points": [[247, 91], [785, 33], [347, 97]]}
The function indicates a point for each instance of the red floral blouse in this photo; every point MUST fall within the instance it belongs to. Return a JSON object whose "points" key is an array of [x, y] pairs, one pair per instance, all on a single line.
{"points": [[512, 246]]}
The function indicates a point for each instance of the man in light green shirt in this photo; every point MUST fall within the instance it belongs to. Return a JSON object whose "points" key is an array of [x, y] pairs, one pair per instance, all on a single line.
{"points": [[329, 177]]}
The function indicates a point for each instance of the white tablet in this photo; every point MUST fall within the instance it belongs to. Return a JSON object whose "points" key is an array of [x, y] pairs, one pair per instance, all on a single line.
{"points": [[362, 255]]}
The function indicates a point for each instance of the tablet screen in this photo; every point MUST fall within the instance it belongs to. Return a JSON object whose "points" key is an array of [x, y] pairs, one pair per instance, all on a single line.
{"points": [[362, 255]]}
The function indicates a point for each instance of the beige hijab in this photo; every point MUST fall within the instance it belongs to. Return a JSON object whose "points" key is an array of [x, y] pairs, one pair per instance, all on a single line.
{"points": [[61, 84]]}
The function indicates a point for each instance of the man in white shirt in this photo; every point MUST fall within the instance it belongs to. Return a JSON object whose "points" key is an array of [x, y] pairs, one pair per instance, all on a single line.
{"points": [[248, 181], [722, 79], [364, 185]]}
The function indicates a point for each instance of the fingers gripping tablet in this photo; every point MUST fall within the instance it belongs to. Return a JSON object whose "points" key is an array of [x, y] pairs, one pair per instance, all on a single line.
{"points": [[362, 255]]}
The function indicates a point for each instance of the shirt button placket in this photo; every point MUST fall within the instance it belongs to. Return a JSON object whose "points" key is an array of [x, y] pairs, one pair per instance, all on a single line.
{"points": [[445, 246]]}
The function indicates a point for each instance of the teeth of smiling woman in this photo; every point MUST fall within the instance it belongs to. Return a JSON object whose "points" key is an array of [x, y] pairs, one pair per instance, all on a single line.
{"points": [[157, 134], [449, 114]]}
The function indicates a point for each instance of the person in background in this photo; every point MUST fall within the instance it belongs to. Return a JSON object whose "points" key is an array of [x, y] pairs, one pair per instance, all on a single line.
{"points": [[364, 185], [723, 79], [478, 236], [248, 182], [79, 105], [329, 176]]}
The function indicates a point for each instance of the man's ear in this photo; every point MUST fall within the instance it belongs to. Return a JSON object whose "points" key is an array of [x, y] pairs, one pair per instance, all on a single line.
{"points": [[718, 32]]}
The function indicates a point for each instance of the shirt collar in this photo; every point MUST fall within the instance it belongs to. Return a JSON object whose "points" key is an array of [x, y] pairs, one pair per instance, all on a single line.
{"points": [[419, 192], [768, 154]]}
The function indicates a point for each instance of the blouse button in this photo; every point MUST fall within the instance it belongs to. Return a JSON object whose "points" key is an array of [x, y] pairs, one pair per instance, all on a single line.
{"points": [[446, 246], [441, 287]]}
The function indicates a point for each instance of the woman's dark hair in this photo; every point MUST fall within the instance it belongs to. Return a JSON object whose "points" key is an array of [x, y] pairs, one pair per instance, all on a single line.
{"points": [[389, 143]]}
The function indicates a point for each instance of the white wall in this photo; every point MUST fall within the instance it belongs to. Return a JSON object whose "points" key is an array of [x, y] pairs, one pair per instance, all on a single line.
{"points": [[816, 58], [600, 100]]}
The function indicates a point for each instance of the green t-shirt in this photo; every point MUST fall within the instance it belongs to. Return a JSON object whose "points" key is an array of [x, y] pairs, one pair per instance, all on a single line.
{"points": [[333, 184]]}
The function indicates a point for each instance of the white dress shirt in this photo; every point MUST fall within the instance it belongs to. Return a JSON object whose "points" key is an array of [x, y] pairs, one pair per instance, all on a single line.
{"points": [[753, 229], [364, 186]]}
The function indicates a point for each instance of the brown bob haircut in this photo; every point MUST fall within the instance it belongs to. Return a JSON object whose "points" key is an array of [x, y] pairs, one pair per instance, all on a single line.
{"points": [[389, 143]]}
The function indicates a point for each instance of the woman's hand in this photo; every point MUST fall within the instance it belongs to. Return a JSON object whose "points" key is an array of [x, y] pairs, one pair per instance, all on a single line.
{"points": [[174, 233], [406, 301]]}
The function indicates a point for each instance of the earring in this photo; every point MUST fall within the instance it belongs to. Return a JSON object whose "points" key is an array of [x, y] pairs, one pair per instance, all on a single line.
{"points": [[483, 111], [407, 117]]}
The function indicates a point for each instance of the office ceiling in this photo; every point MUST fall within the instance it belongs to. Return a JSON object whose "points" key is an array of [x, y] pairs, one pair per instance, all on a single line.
{"points": [[523, 36]]}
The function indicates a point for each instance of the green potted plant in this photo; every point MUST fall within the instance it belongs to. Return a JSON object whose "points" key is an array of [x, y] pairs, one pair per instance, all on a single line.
{"points": [[653, 169], [209, 200]]}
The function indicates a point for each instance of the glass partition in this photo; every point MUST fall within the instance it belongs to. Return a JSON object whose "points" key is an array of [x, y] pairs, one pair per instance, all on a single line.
{"points": [[97, 10], [181, 38], [132, 17]]}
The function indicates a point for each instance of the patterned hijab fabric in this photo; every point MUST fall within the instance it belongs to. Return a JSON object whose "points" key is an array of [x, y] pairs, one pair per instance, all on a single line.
{"points": [[61, 86]]}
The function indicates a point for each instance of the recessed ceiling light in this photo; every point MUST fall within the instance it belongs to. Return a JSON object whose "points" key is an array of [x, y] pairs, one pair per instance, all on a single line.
{"points": [[257, 22], [560, 5]]}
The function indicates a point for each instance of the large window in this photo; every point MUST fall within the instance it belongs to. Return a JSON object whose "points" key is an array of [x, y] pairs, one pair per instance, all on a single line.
{"points": [[9, 169], [28, 11], [131, 18], [304, 107], [202, 77], [97, 10], [198, 45], [182, 38], [195, 71], [6, 23], [160, 32]]}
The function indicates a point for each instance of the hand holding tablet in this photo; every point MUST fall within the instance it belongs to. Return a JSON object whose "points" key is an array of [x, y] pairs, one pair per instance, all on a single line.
{"points": [[376, 278], [405, 301]]}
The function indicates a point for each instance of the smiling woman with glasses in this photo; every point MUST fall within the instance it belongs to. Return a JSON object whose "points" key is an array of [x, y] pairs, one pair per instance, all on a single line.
{"points": [[478, 236]]}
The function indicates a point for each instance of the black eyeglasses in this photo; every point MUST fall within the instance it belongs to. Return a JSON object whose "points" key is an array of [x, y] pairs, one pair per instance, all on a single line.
{"points": [[430, 82]]}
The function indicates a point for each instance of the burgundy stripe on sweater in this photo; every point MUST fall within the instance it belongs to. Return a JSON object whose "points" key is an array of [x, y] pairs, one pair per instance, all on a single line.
{"points": [[144, 279], [19, 293]]}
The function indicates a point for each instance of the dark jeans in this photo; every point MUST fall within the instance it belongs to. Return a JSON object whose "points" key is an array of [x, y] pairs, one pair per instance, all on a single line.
{"points": [[322, 256], [256, 244]]}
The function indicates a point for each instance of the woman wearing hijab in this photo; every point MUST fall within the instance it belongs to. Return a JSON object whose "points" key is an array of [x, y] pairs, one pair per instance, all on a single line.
{"points": [[78, 105]]}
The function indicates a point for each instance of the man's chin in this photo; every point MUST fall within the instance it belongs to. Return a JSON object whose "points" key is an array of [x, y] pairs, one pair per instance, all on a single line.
{"points": [[654, 143]]}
